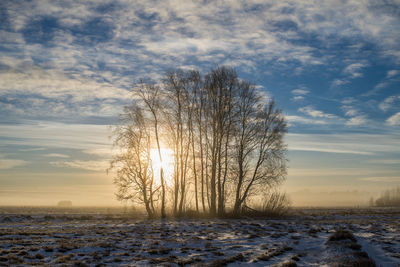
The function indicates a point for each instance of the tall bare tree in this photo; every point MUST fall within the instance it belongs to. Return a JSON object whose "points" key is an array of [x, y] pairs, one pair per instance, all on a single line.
{"points": [[150, 95], [259, 147], [134, 172]]}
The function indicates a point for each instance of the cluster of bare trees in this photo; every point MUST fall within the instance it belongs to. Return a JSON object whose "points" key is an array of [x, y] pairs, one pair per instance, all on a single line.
{"points": [[226, 140], [389, 198]]}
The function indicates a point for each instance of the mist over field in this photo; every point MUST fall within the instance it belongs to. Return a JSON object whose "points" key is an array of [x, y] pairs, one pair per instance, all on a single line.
{"points": [[304, 198]]}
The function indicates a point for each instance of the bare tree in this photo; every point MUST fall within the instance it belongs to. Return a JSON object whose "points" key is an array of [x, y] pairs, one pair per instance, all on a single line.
{"points": [[150, 95], [389, 198], [259, 146], [134, 172], [219, 85], [176, 86]]}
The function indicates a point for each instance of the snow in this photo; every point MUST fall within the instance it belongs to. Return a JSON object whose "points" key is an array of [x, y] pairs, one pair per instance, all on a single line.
{"points": [[119, 240]]}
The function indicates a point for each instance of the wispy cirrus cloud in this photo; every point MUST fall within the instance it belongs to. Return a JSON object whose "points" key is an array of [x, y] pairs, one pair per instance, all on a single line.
{"points": [[387, 104], [298, 94], [350, 143], [339, 82], [393, 179], [32, 149], [293, 119], [394, 120], [56, 155], [392, 73], [300, 91], [390, 78], [351, 71], [354, 69], [11, 163], [357, 120], [297, 98], [385, 161], [350, 111], [55, 84], [309, 110], [53, 135], [90, 165]]}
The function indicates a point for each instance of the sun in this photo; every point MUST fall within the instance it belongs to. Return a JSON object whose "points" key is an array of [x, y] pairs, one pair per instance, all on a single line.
{"points": [[167, 163]]}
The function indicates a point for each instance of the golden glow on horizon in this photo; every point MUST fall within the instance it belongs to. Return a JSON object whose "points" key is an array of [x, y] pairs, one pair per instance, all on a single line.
{"points": [[167, 163]]}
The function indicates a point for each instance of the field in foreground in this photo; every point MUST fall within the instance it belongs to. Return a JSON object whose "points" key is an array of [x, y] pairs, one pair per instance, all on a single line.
{"points": [[308, 237]]}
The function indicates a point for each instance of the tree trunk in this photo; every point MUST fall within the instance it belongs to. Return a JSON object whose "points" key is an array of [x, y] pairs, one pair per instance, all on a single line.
{"points": [[194, 166]]}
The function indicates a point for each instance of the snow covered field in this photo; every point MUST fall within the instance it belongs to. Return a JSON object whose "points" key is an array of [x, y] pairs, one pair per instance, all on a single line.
{"points": [[308, 237]]}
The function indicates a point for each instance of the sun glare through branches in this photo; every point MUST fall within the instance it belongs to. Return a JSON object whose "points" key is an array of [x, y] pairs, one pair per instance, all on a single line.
{"points": [[166, 162]]}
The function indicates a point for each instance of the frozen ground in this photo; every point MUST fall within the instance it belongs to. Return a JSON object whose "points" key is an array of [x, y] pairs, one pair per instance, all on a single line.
{"points": [[302, 239]]}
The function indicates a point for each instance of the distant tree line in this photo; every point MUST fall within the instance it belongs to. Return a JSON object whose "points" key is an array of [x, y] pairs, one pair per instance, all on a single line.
{"points": [[389, 198], [225, 134]]}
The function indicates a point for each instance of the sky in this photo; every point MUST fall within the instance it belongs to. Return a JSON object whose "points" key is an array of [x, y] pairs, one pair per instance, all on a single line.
{"points": [[67, 67]]}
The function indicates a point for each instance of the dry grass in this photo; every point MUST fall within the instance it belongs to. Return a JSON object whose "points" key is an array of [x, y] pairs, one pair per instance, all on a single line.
{"points": [[359, 262], [226, 261], [289, 263], [342, 234]]}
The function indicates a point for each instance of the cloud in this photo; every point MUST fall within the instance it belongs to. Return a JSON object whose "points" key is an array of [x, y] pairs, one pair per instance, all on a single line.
{"points": [[348, 109], [297, 98], [351, 71], [57, 135], [394, 179], [348, 100], [376, 89], [351, 112], [309, 110], [302, 120], [392, 73], [353, 173], [385, 161], [163, 32], [11, 163], [382, 84], [91, 52], [55, 84], [394, 120], [32, 149], [361, 144], [37, 107], [354, 69], [90, 165], [104, 153], [300, 92], [56, 155], [339, 82], [386, 104], [327, 150], [357, 120]]}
